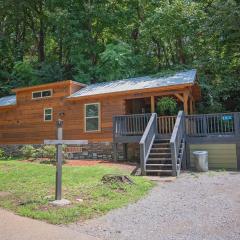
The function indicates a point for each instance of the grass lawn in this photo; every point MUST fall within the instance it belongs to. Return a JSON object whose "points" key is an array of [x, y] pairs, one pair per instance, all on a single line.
{"points": [[31, 186]]}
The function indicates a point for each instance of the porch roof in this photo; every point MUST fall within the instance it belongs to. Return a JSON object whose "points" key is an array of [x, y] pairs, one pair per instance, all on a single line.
{"points": [[138, 83], [8, 101]]}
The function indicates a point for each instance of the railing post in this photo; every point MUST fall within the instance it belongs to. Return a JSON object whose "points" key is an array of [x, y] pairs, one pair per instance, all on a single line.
{"points": [[155, 124], [237, 123], [142, 162], [174, 159], [204, 125]]}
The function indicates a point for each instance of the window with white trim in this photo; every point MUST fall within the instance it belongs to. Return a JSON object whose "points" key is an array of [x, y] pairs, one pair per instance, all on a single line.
{"points": [[42, 94], [48, 114], [92, 117]]}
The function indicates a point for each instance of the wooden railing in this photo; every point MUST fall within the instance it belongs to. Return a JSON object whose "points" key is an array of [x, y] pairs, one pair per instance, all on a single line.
{"points": [[166, 124], [130, 125], [177, 143], [220, 124], [147, 141]]}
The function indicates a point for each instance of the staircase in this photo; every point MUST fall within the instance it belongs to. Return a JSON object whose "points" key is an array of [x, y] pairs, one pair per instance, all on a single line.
{"points": [[159, 161]]}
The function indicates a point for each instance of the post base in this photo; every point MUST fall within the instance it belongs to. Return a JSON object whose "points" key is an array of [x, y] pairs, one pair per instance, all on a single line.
{"points": [[60, 203]]}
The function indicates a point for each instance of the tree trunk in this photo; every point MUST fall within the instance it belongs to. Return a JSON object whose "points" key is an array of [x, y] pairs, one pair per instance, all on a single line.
{"points": [[41, 43], [181, 55]]}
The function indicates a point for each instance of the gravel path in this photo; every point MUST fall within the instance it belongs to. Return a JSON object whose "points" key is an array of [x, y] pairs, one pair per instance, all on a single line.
{"points": [[195, 206]]}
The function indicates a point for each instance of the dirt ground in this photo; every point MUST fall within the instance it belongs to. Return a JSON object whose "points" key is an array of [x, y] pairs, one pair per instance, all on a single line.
{"points": [[129, 167]]}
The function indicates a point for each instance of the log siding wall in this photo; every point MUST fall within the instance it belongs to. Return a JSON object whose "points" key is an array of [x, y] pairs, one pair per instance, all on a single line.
{"points": [[24, 123]]}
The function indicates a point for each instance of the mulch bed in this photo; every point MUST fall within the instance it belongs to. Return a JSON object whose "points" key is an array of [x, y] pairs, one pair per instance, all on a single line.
{"points": [[125, 165]]}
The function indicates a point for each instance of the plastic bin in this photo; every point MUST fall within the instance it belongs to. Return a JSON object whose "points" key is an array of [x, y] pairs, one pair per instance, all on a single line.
{"points": [[201, 160]]}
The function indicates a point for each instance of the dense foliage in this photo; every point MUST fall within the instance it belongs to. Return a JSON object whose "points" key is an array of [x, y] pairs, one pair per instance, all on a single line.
{"points": [[92, 41], [167, 106]]}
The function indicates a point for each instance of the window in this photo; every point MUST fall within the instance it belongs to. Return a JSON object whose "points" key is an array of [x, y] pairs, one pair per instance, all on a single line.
{"points": [[92, 118], [48, 112], [41, 94]]}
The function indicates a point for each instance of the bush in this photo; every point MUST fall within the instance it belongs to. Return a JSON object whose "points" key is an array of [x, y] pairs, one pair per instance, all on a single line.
{"points": [[49, 151], [29, 152], [167, 106], [2, 154]]}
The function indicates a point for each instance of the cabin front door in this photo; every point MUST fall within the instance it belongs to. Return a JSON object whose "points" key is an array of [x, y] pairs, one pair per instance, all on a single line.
{"points": [[138, 106]]}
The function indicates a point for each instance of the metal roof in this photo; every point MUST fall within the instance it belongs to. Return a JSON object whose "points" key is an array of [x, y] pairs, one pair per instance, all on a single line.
{"points": [[9, 100], [184, 77]]}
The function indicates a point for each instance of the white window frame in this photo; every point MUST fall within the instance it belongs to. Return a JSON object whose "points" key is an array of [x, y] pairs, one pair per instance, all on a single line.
{"points": [[51, 91], [44, 114], [99, 117]]}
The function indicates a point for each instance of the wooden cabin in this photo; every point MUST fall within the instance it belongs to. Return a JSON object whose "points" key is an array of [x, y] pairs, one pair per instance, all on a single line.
{"points": [[29, 116], [114, 113]]}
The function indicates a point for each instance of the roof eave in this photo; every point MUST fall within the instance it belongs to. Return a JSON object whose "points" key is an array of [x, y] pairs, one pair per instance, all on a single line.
{"points": [[8, 106], [47, 85], [165, 88]]}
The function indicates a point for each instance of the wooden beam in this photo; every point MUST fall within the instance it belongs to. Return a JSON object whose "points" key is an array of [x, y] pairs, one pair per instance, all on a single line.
{"points": [[185, 103], [152, 104], [191, 105], [179, 97]]}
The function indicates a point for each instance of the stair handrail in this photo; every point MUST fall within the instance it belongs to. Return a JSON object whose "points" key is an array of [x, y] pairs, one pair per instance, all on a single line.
{"points": [[178, 135], [147, 140]]}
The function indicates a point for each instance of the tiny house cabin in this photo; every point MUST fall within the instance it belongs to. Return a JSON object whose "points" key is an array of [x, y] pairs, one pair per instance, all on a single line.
{"points": [[114, 115]]}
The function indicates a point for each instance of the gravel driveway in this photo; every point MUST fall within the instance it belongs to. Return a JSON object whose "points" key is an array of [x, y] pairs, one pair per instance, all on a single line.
{"points": [[195, 206]]}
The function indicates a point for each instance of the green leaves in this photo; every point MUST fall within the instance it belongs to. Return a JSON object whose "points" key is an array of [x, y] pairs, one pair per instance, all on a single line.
{"points": [[116, 62], [94, 41]]}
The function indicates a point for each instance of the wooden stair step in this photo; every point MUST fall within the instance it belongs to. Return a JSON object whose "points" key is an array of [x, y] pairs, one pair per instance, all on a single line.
{"points": [[159, 170], [161, 148], [151, 153], [159, 159], [159, 164]]}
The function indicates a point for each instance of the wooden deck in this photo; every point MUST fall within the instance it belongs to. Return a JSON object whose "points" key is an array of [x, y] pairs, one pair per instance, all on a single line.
{"points": [[182, 130]]}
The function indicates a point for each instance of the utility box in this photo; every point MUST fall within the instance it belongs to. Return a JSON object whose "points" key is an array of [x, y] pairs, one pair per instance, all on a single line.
{"points": [[201, 160]]}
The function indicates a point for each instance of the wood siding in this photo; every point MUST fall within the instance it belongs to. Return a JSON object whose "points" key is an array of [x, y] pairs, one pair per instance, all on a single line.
{"points": [[24, 123], [220, 156]]}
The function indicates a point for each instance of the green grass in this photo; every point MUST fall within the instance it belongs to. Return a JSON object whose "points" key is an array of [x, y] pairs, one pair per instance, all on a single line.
{"points": [[31, 187]]}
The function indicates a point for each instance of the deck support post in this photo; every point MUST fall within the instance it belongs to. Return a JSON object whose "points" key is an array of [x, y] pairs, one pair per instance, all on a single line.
{"points": [[115, 152], [238, 155], [187, 151], [125, 151]]}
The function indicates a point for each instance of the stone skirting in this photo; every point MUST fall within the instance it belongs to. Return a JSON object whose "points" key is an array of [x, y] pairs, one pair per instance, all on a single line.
{"points": [[98, 150]]}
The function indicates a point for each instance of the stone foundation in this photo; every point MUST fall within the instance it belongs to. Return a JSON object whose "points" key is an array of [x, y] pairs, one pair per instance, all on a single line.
{"points": [[98, 150]]}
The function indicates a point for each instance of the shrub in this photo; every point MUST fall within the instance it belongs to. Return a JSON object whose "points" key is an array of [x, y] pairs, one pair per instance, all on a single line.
{"points": [[49, 151], [28, 151], [167, 106], [2, 154]]}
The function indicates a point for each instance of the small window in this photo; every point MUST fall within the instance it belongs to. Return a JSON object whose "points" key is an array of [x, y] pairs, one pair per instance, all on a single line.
{"points": [[48, 114], [92, 118], [47, 93], [42, 94], [36, 94]]}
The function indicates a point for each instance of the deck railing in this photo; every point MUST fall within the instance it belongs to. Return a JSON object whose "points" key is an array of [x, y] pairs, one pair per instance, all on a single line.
{"points": [[177, 143], [203, 125], [166, 124], [130, 125], [147, 141]]}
